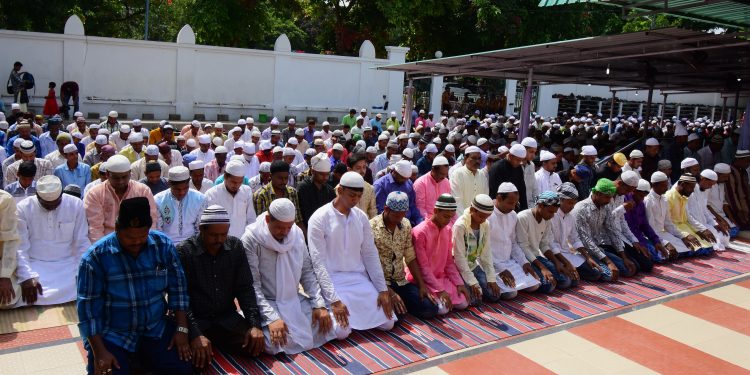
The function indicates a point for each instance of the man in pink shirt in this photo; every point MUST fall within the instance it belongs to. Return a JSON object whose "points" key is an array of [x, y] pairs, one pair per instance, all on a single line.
{"points": [[432, 185], [433, 247], [102, 203]]}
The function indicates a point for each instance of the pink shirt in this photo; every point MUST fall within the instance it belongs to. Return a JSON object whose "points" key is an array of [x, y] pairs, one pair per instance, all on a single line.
{"points": [[102, 206], [213, 171], [427, 191], [433, 248]]}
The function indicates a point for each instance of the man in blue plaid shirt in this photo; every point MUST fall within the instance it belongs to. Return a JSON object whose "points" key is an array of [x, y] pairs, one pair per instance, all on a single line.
{"points": [[122, 282]]}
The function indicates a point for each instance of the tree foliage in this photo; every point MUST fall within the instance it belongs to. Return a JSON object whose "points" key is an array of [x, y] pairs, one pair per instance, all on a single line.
{"points": [[336, 26]]}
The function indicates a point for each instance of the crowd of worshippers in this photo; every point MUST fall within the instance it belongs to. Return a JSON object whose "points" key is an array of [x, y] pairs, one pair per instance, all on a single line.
{"points": [[372, 221]]}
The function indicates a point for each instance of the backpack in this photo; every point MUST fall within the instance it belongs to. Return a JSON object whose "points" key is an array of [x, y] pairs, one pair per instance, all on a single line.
{"points": [[28, 81]]}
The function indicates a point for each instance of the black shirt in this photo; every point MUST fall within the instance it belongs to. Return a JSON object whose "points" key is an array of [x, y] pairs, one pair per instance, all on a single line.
{"points": [[214, 283], [310, 198], [502, 171]]}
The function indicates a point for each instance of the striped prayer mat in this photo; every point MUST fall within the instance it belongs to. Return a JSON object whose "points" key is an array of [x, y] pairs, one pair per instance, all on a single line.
{"points": [[414, 340]]}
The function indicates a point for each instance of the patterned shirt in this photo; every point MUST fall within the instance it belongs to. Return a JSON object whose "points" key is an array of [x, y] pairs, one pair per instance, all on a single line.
{"points": [[121, 298], [266, 195], [596, 226], [395, 248]]}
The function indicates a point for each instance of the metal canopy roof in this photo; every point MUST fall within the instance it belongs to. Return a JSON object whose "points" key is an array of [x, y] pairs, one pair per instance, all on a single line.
{"points": [[734, 13], [667, 59]]}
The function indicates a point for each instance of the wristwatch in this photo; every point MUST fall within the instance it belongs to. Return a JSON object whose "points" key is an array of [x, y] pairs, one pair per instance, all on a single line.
{"points": [[182, 330]]}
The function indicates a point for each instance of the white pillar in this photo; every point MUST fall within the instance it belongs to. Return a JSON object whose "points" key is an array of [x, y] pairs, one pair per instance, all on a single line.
{"points": [[185, 73], [510, 96], [282, 61], [695, 113], [436, 96], [395, 95]]}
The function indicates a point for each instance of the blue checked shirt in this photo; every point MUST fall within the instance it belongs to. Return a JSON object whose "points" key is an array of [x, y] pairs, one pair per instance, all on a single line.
{"points": [[122, 298]]}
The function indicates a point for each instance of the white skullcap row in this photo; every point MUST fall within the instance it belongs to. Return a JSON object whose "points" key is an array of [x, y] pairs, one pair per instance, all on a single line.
{"points": [[101, 139], [179, 174], [636, 154], [265, 167], [658, 177], [518, 151], [355, 181], [321, 163], [152, 150], [70, 148], [282, 209], [472, 150], [652, 142], [588, 150], [529, 142], [440, 160]]}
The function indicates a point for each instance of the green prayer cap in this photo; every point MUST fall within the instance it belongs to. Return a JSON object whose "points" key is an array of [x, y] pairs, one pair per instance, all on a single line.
{"points": [[605, 186]]}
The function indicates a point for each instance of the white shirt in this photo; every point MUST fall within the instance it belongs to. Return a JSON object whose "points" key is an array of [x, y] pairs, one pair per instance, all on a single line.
{"points": [[204, 157], [176, 159], [564, 232], [697, 207], [657, 212], [205, 185], [179, 219], [529, 178], [503, 240], [240, 206], [466, 185], [547, 181], [118, 142]]}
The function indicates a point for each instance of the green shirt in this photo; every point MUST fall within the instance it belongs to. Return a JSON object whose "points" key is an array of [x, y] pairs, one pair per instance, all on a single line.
{"points": [[349, 120]]}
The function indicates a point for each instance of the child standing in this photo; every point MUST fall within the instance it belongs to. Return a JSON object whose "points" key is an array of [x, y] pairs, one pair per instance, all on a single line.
{"points": [[50, 105]]}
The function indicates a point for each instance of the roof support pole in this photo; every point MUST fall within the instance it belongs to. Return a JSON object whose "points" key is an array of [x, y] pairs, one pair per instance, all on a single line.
{"points": [[526, 105], [612, 113], [409, 106], [663, 110], [736, 106], [723, 110], [647, 118]]}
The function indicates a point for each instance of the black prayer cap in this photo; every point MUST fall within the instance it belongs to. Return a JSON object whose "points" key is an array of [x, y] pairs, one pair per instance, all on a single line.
{"points": [[134, 213]]}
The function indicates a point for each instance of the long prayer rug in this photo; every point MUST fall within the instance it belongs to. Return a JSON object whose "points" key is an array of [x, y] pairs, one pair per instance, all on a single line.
{"points": [[414, 340]]}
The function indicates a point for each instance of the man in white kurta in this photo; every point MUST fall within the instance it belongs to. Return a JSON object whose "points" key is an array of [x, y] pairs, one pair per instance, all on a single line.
{"points": [[204, 152], [235, 197], [54, 235], [657, 212], [180, 207], [291, 322], [340, 237], [546, 177], [467, 182], [197, 180], [697, 207], [717, 201], [514, 271]]}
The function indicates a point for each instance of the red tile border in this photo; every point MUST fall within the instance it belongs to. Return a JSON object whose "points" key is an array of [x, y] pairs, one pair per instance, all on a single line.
{"points": [[715, 311], [498, 361], [37, 336]]}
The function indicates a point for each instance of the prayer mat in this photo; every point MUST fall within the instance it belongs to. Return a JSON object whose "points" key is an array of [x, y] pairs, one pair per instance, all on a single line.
{"points": [[413, 340], [37, 317]]}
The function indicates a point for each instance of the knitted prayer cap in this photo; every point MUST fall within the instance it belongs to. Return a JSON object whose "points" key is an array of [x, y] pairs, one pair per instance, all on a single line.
{"points": [[687, 177], [397, 201], [605, 186], [214, 214], [446, 202], [548, 198], [567, 191], [483, 203]]}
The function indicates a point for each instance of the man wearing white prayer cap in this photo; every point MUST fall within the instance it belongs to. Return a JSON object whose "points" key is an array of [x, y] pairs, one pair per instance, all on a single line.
{"points": [[467, 181], [197, 180], [588, 160], [340, 239], [120, 137], [546, 177], [73, 171], [53, 236], [698, 209], [510, 170], [102, 202], [27, 152], [151, 154], [678, 198], [399, 179], [214, 260], [431, 185], [134, 150], [291, 322], [235, 197], [179, 207], [717, 200], [314, 192], [204, 152], [660, 220], [111, 122], [690, 165]]}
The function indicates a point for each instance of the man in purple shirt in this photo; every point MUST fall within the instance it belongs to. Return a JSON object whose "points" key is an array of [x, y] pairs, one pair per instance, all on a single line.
{"points": [[638, 223], [398, 180]]}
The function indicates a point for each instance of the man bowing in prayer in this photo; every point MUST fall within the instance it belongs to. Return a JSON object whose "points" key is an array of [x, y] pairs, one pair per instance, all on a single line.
{"points": [[180, 207], [10, 290], [340, 237], [122, 283], [217, 273], [291, 322], [54, 235]]}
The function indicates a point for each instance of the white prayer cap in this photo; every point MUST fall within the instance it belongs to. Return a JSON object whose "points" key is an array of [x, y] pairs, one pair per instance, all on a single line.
{"points": [[265, 145], [238, 144], [196, 164], [112, 114], [371, 150], [636, 154], [255, 133], [431, 148], [204, 139], [101, 139], [693, 137], [338, 147], [507, 187], [121, 164], [409, 153], [325, 123], [250, 120], [403, 168], [353, 180], [652, 142], [93, 126], [546, 155], [179, 174], [235, 168], [49, 188], [474, 149], [630, 178], [688, 162], [680, 131], [288, 151], [518, 150], [321, 163], [481, 141], [195, 124], [220, 150], [249, 148], [300, 132], [311, 152], [274, 121], [15, 106], [472, 139], [265, 167], [529, 142], [722, 168], [3, 124], [588, 150], [242, 121], [282, 209], [439, 160], [643, 185], [503, 149], [191, 143], [27, 147], [69, 148], [450, 148], [77, 134], [709, 174], [291, 121], [124, 129], [395, 158], [135, 137], [658, 177], [236, 129], [414, 169], [217, 125], [152, 150]]}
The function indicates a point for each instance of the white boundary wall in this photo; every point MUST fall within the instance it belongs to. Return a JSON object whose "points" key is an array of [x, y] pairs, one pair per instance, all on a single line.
{"points": [[162, 78]]}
